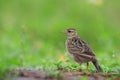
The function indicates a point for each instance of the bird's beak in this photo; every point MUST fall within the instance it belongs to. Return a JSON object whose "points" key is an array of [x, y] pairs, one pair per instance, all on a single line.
{"points": [[64, 31]]}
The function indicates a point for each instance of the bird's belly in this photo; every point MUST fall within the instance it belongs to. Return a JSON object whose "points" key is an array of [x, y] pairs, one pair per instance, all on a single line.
{"points": [[83, 60], [79, 59], [71, 55]]}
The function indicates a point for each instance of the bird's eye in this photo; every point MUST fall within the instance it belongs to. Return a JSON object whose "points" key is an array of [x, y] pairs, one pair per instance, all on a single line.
{"points": [[69, 31]]}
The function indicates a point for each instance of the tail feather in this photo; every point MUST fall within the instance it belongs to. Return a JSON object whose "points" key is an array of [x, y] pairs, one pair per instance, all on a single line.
{"points": [[97, 66]]}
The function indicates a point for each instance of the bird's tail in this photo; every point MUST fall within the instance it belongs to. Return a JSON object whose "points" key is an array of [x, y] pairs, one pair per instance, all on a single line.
{"points": [[97, 66]]}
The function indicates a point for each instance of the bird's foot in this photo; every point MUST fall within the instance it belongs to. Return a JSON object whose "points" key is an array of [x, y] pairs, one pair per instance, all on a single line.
{"points": [[79, 69]]}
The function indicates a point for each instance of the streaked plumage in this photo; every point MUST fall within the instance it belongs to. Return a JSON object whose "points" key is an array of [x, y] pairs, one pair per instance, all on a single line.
{"points": [[79, 49]]}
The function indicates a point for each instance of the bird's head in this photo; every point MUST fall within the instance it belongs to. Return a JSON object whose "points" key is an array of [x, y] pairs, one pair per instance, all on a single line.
{"points": [[71, 32]]}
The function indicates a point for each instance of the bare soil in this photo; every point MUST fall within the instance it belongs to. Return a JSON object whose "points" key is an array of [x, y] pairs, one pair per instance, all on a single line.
{"points": [[63, 75]]}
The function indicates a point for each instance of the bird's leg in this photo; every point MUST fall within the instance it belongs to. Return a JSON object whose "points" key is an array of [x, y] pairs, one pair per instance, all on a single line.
{"points": [[87, 64], [79, 68]]}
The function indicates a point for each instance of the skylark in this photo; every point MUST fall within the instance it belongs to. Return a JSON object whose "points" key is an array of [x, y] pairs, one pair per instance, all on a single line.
{"points": [[79, 49]]}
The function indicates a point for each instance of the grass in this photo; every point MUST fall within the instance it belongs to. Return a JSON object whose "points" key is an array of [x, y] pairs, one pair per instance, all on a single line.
{"points": [[25, 51], [30, 53]]}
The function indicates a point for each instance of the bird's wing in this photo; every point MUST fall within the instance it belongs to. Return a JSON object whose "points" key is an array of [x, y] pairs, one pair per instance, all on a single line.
{"points": [[82, 46]]}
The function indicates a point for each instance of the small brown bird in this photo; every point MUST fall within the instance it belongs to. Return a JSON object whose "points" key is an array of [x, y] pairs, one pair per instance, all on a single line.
{"points": [[79, 49]]}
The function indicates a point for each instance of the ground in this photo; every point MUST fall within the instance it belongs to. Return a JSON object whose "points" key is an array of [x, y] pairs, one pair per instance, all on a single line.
{"points": [[22, 74]]}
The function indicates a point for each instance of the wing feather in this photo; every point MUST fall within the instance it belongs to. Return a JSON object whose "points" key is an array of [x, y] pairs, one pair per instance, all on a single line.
{"points": [[82, 46]]}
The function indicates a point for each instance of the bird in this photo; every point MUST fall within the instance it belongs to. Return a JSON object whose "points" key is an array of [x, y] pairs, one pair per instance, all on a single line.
{"points": [[79, 50]]}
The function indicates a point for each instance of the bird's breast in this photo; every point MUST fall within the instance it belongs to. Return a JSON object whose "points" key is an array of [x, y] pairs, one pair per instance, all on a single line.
{"points": [[69, 46]]}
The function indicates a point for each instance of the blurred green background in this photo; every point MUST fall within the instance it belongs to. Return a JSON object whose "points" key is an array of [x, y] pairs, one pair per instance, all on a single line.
{"points": [[30, 30]]}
